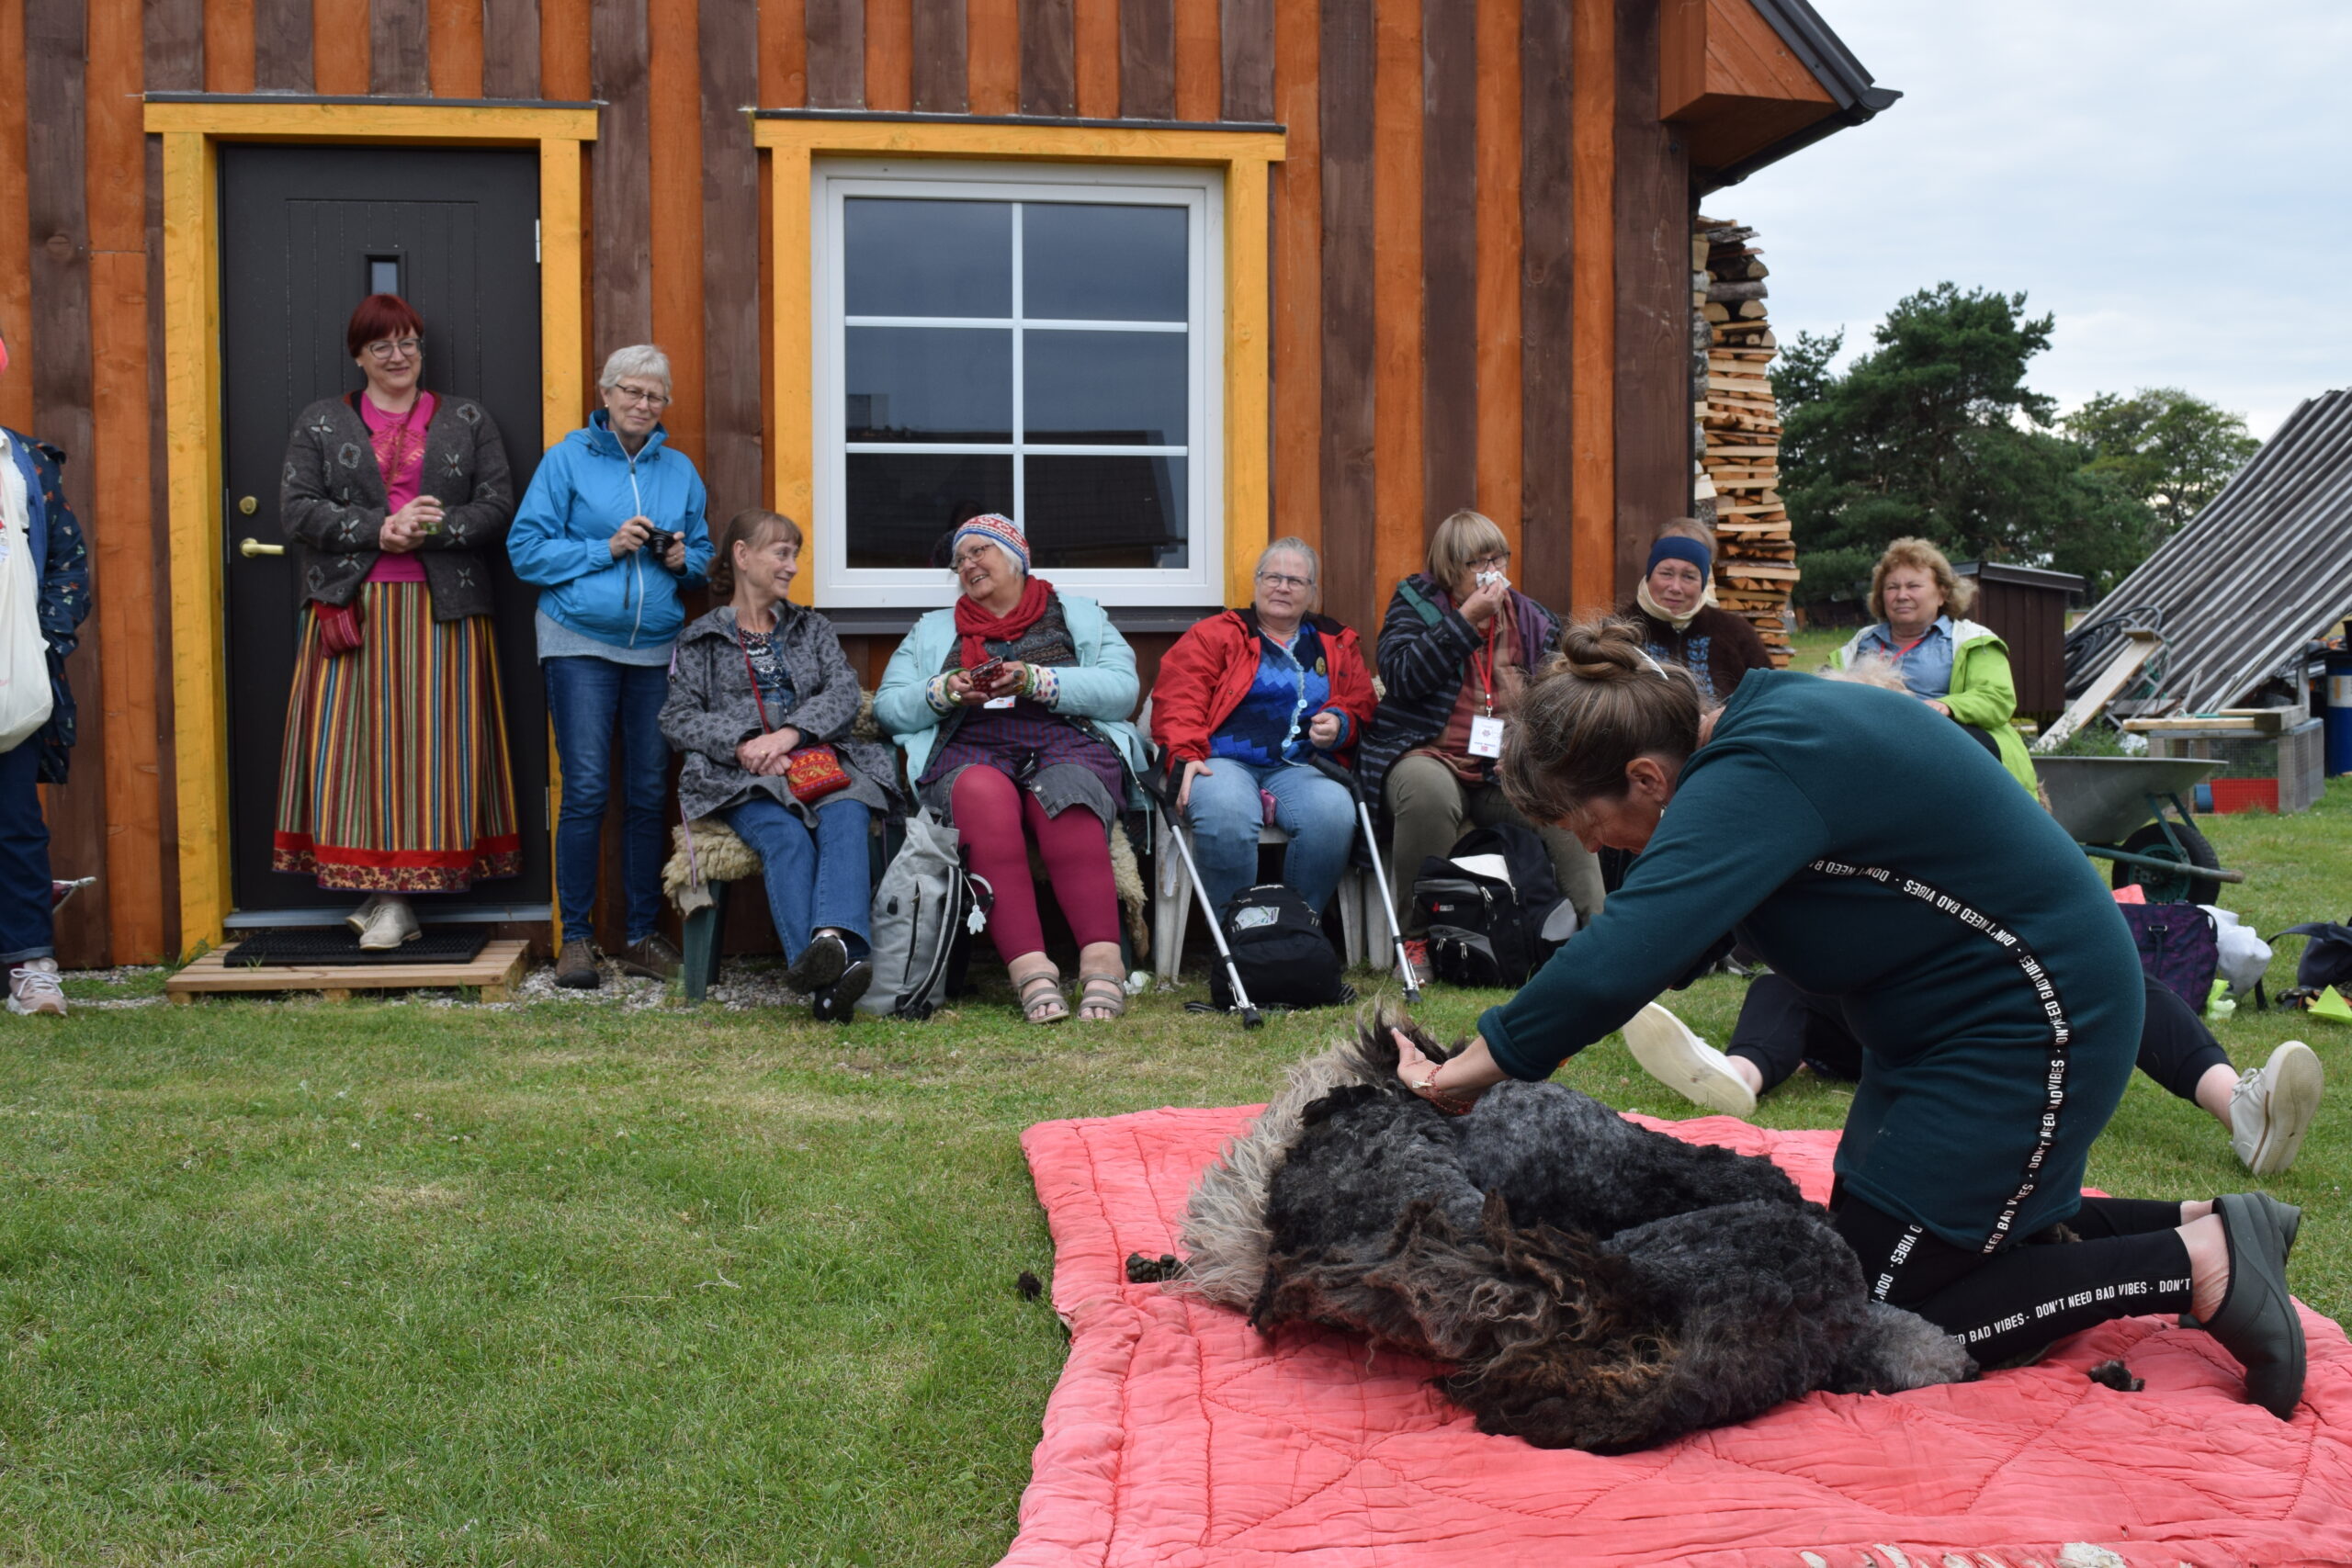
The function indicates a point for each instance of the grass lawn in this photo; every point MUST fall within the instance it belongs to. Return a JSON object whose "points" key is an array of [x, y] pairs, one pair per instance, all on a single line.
{"points": [[575, 1283]]}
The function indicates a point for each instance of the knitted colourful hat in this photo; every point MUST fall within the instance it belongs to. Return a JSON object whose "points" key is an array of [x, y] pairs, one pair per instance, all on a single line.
{"points": [[997, 529]]}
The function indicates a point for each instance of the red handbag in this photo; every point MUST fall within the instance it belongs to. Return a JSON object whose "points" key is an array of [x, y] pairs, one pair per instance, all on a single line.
{"points": [[810, 772], [339, 626]]}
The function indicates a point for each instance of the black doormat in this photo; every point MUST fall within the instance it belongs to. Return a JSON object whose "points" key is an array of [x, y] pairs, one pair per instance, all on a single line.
{"points": [[311, 946]]}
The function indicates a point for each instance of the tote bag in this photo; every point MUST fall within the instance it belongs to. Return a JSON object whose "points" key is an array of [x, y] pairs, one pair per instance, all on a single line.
{"points": [[24, 696]]}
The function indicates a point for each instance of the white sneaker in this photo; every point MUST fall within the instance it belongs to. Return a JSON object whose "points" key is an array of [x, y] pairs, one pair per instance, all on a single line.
{"points": [[1669, 1052], [2273, 1106], [390, 925], [33, 987], [358, 920]]}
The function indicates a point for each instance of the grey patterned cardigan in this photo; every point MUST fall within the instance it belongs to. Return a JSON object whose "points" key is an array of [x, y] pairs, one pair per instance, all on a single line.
{"points": [[711, 711], [332, 502]]}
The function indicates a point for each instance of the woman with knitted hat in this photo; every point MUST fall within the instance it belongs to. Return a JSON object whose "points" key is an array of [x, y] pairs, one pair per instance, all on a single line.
{"points": [[1011, 709], [1674, 605]]}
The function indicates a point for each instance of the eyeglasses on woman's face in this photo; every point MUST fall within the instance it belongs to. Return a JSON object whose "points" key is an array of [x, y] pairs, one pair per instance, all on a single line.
{"points": [[1493, 560], [383, 350], [1283, 580], [643, 397]]}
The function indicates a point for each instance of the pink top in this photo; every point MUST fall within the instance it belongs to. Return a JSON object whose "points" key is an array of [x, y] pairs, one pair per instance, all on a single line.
{"points": [[399, 440]]}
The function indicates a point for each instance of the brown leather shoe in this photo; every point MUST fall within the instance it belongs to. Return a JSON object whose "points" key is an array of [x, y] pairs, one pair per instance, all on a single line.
{"points": [[575, 968], [654, 958]]}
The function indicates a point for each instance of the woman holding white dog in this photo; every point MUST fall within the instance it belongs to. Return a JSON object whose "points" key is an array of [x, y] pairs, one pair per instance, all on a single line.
{"points": [[1862, 845]]}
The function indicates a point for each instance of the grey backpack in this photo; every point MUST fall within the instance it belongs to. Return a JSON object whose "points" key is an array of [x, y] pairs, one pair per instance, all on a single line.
{"points": [[925, 904]]}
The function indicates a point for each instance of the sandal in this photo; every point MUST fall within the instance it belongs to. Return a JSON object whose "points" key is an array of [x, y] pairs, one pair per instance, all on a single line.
{"points": [[1040, 994], [1102, 998]]}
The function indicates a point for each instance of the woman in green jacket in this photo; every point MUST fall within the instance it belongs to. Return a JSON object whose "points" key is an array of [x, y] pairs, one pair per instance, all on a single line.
{"points": [[1956, 666]]}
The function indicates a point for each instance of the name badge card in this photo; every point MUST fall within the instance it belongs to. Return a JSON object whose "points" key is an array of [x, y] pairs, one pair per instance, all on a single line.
{"points": [[1004, 702], [1486, 737]]}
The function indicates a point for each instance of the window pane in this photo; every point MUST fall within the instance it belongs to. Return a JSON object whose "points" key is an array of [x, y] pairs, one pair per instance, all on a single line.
{"points": [[1107, 388], [903, 508], [1083, 262], [928, 384], [927, 258], [1105, 511]]}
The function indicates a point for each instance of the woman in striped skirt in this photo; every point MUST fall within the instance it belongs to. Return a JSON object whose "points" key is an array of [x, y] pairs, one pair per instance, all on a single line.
{"points": [[395, 777]]}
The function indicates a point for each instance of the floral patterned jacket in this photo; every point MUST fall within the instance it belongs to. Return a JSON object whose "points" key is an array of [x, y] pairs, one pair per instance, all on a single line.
{"points": [[64, 601]]}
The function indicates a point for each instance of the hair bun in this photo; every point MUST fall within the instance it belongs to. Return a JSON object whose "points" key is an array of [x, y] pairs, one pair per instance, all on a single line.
{"points": [[1603, 651]]}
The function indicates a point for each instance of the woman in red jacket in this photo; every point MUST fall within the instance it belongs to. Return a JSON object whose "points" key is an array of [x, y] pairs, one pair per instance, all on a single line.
{"points": [[1242, 701]]}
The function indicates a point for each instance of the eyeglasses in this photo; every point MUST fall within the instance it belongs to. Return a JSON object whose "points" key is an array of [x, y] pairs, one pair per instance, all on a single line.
{"points": [[639, 396], [1495, 562], [1283, 580], [384, 348]]}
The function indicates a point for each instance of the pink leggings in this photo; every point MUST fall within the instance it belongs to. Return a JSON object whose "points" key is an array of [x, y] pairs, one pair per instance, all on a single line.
{"points": [[990, 812]]}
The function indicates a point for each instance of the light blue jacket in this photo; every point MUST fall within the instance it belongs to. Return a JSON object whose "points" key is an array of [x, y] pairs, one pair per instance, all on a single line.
{"points": [[584, 489], [1099, 689]]}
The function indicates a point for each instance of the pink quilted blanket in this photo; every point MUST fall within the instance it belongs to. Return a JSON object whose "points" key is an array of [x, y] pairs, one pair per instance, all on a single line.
{"points": [[1178, 1437]]}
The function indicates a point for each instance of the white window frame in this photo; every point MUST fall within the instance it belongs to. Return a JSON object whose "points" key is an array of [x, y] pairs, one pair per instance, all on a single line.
{"points": [[1200, 191]]}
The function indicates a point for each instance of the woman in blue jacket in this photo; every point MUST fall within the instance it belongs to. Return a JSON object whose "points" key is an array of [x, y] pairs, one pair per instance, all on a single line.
{"points": [[612, 526]]}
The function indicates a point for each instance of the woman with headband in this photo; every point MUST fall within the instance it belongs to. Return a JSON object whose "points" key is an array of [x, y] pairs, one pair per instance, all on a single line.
{"points": [[1870, 852], [1675, 606]]}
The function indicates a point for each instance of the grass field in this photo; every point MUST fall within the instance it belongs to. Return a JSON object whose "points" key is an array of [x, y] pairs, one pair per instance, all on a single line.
{"points": [[576, 1283]]}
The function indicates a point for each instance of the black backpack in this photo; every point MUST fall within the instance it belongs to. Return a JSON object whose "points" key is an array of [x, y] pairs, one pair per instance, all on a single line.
{"points": [[1278, 945], [1492, 931]]}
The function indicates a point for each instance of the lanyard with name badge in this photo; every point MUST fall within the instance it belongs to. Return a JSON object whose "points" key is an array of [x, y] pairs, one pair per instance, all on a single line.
{"points": [[1486, 729]]}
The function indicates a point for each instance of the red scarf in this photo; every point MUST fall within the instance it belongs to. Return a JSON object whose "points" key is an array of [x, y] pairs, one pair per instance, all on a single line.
{"points": [[978, 629]]}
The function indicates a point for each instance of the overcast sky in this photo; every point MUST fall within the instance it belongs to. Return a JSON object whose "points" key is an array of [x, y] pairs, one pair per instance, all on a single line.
{"points": [[2171, 178]]}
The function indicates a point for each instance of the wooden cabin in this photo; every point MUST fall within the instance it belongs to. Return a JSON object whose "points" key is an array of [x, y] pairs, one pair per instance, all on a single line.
{"points": [[1262, 267]]}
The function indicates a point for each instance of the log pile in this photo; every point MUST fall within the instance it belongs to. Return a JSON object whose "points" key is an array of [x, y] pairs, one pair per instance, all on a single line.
{"points": [[1738, 437]]}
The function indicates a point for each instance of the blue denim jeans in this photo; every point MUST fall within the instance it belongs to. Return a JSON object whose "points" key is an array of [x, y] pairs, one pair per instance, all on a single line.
{"points": [[815, 880], [1225, 814], [25, 931], [589, 699]]}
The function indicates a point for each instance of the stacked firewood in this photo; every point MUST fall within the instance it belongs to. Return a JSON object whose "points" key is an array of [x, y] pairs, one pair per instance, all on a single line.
{"points": [[1739, 432]]}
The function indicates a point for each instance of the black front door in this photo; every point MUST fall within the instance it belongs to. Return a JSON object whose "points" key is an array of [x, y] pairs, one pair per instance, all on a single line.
{"points": [[306, 234]]}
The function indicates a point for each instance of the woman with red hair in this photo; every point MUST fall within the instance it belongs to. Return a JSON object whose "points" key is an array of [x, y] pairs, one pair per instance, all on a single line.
{"points": [[395, 778]]}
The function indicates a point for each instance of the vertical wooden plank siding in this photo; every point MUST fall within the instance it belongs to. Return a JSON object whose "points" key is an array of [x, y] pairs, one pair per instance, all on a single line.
{"points": [[1546, 322], [510, 49], [1652, 259], [455, 48], [567, 49], [398, 44], [674, 142], [1147, 58], [120, 533], [1449, 254], [16, 260], [339, 47], [175, 40], [942, 85], [1298, 282], [1095, 28], [784, 54], [730, 258], [1248, 39], [1352, 593], [159, 511], [1248, 504], [836, 55], [1048, 70], [1498, 331], [1592, 431], [791, 434], [281, 46], [889, 54], [564, 272], [228, 46], [622, 166], [1402, 527], [57, 210], [992, 49], [1200, 90]]}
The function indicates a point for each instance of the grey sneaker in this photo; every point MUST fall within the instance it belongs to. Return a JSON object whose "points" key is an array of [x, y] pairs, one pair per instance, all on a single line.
{"points": [[2272, 1108], [575, 968], [1669, 1052], [33, 987], [392, 924], [358, 920], [654, 958]]}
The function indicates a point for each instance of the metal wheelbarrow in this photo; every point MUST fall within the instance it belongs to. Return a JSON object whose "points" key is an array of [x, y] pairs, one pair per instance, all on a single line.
{"points": [[2114, 808]]}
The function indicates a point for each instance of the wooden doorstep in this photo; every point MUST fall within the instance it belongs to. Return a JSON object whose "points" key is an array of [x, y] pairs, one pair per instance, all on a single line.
{"points": [[497, 969]]}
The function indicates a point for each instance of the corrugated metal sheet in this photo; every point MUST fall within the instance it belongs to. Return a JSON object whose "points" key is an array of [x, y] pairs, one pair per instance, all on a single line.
{"points": [[2262, 571]]}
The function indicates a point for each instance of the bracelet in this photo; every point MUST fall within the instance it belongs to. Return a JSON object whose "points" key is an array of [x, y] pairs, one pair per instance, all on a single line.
{"points": [[1448, 1104]]}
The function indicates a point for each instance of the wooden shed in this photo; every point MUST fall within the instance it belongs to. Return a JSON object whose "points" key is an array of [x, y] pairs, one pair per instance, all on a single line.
{"points": [[1169, 277]]}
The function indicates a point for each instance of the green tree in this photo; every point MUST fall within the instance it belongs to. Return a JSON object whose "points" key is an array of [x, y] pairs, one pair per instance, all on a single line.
{"points": [[2164, 447], [1934, 432]]}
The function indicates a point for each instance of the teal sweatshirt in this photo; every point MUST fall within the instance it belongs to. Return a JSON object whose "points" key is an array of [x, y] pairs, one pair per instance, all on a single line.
{"points": [[1869, 850]]}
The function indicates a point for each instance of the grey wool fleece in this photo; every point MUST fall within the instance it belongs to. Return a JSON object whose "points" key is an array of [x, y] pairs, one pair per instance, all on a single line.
{"points": [[710, 712], [331, 501]]}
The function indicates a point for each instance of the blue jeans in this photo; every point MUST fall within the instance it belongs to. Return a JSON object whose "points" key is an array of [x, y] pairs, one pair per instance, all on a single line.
{"points": [[25, 931], [1225, 814], [815, 880], [587, 699]]}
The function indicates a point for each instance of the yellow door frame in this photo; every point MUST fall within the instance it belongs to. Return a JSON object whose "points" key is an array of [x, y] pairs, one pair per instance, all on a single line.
{"points": [[793, 144], [192, 131]]}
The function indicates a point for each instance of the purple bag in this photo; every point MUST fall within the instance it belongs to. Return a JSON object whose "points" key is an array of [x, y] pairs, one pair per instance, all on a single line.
{"points": [[2178, 946]]}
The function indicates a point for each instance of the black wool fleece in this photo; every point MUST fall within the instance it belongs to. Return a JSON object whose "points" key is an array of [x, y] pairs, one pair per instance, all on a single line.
{"points": [[1867, 848]]}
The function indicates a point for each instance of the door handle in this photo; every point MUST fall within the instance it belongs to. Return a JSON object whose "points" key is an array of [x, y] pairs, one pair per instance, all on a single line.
{"points": [[249, 547]]}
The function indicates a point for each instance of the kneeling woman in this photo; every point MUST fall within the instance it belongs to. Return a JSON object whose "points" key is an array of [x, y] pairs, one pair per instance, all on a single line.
{"points": [[1861, 843], [761, 704]]}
